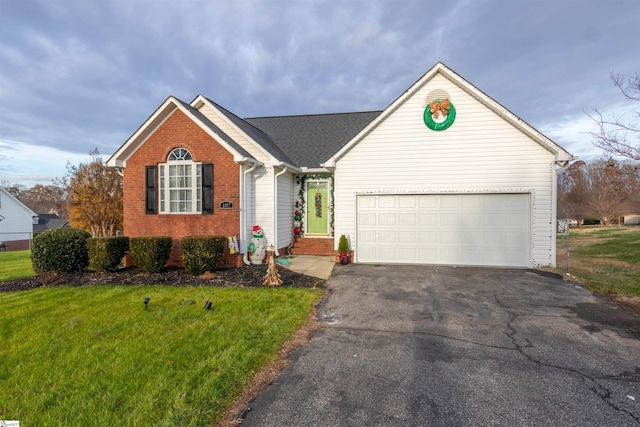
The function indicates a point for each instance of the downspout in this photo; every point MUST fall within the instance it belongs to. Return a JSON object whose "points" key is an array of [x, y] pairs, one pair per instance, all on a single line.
{"points": [[275, 211], [243, 215]]}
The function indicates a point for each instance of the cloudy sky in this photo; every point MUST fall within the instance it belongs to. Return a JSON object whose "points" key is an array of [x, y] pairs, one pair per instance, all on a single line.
{"points": [[78, 74]]}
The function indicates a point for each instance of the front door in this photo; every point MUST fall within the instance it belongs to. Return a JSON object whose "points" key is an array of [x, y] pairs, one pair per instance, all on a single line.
{"points": [[317, 206]]}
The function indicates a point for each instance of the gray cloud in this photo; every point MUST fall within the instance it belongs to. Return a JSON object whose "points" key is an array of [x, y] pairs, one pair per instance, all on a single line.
{"points": [[77, 75]]}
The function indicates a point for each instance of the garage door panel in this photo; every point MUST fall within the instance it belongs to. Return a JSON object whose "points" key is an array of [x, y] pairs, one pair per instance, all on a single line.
{"points": [[427, 218], [449, 218], [407, 237], [427, 237], [407, 219], [449, 201], [427, 201], [387, 201], [387, 236], [464, 229]]}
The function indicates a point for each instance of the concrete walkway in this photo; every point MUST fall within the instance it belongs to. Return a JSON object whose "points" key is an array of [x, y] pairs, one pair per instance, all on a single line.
{"points": [[314, 266]]}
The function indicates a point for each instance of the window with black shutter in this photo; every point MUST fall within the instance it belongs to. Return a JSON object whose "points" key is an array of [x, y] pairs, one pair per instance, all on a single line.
{"points": [[207, 188], [150, 187]]}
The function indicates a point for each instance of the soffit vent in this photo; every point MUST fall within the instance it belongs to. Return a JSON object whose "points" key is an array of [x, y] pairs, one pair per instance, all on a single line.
{"points": [[436, 94]]}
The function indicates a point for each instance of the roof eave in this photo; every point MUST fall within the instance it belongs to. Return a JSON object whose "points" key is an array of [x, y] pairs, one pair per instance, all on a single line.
{"points": [[119, 158], [203, 100], [560, 153]]}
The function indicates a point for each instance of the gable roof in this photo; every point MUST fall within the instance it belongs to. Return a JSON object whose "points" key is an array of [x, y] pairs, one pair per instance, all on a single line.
{"points": [[119, 158], [560, 153], [309, 140], [49, 222], [261, 139], [9, 196]]}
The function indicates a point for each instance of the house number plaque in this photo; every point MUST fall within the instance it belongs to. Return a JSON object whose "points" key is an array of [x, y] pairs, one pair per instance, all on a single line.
{"points": [[226, 205]]}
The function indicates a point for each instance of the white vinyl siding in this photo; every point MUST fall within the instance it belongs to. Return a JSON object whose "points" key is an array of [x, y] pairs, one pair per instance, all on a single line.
{"points": [[16, 219], [479, 153], [286, 203], [234, 134], [455, 229]]}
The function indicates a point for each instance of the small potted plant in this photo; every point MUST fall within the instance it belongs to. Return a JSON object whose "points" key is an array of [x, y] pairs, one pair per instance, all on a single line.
{"points": [[343, 250]]}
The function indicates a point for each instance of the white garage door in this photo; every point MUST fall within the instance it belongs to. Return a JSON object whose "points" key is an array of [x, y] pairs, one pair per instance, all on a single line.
{"points": [[456, 229]]}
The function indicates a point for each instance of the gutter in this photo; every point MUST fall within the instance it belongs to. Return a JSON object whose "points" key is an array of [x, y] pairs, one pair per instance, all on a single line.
{"points": [[275, 211], [243, 210]]}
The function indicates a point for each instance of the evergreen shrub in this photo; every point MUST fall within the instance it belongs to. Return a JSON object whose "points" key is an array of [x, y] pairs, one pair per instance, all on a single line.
{"points": [[150, 254], [202, 253], [343, 245], [61, 250], [105, 253]]}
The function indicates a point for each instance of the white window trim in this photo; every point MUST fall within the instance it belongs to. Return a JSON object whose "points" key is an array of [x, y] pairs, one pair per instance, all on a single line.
{"points": [[164, 190]]}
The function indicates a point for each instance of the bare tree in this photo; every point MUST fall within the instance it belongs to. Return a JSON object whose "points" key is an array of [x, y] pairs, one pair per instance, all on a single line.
{"points": [[620, 136], [600, 189], [573, 192], [608, 191], [46, 198]]}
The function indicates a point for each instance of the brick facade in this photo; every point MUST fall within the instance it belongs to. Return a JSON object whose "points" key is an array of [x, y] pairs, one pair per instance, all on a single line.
{"points": [[180, 131]]}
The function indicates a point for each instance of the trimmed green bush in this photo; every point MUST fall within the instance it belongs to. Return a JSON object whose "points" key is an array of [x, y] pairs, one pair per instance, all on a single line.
{"points": [[202, 253], [105, 253], [61, 250], [343, 245], [150, 254]]}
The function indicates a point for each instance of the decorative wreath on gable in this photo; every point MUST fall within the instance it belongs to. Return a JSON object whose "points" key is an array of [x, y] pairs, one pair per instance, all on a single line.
{"points": [[434, 109]]}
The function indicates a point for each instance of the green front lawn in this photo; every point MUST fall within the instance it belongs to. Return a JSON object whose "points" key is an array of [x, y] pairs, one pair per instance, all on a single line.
{"points": [[15, 265], [94, 356], [605, 259]]}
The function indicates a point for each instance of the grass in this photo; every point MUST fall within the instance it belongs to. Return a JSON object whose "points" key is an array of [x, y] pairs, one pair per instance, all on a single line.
{"points": [[604, 259], [95, 356], [15, 265]]}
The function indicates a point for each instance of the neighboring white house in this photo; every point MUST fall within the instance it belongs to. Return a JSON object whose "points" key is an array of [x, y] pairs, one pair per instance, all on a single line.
{"points": [[16, 221], [443, 175]]}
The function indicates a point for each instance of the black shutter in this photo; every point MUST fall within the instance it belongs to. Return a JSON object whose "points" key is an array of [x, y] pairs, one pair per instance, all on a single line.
{"points": [[207, 188], [150, 190]]}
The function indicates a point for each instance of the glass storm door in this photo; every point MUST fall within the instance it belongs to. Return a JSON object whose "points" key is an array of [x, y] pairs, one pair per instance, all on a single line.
{"points": [[317, 205]]}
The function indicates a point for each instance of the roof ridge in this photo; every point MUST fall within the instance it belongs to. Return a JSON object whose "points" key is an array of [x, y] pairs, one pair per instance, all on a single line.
{"points": [[313, 115]]}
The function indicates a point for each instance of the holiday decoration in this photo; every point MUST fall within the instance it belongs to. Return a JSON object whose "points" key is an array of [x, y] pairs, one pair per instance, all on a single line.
{"points": [[436, 108], [257, 246], [318, 198], [272, 278], [232, 243]]}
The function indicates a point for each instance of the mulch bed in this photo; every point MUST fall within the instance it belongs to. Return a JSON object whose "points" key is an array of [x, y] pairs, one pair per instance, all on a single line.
{"points": [[241, 277]]}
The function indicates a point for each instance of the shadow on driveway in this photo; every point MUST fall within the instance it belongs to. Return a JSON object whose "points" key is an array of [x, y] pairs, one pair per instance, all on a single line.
{"points": [[431, 345]]}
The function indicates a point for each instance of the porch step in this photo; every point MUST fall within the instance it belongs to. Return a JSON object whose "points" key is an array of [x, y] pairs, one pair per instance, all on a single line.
{"points": [[312, 246]]}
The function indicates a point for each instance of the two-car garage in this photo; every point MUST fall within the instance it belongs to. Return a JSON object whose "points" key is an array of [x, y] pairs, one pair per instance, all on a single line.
{"points": [[458, 229]]}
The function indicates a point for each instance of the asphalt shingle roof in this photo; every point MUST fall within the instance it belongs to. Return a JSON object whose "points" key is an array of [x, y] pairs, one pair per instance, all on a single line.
{"points": [[215, 128], [310, 140], [256, 134]]}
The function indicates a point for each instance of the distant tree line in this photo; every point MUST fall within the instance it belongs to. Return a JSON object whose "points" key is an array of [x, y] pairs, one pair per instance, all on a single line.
{"points": [[604, 189], [89, 196]]}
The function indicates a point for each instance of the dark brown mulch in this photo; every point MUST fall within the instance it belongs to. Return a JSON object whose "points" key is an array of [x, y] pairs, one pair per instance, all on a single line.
{"points": [[241, 277]]}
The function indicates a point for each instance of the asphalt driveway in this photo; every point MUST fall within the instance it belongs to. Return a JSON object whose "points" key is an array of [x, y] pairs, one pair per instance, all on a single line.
{"points": [[428, 345]]}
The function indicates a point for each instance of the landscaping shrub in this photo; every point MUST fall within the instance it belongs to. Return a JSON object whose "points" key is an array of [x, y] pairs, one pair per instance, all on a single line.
{"points": [[61, 250], [202, 253], [105, 253], [150, 254], [343, 245]]}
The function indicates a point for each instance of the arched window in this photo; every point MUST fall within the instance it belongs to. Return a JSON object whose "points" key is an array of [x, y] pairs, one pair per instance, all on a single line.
{"points": [[181, 184]]}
